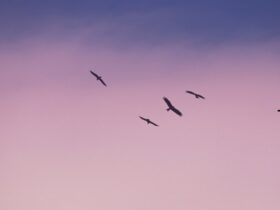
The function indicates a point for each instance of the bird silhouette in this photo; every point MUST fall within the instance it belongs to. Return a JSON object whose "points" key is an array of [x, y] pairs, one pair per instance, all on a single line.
{"points": [[195, 94], [278, 110], [98, 78], [148, 121], [171, 107]]}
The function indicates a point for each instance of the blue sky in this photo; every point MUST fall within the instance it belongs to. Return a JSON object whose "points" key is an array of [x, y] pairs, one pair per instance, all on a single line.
{"points": [[208, 21]]}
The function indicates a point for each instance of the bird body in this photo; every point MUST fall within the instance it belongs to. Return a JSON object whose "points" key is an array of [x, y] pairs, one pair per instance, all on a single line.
{"points": [[171, 107], [98, 78], [148, 121], [195, 94]]}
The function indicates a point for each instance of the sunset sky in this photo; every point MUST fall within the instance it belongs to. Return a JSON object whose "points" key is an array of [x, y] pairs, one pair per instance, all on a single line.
{"points": [[69, 143]]}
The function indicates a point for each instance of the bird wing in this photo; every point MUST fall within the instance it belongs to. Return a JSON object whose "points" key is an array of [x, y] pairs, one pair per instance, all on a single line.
{"points": [[153, 123], [93, 74], [102, 81], [190, 92], [176, 111], [142, 118], [167, 102], [200, 96]]}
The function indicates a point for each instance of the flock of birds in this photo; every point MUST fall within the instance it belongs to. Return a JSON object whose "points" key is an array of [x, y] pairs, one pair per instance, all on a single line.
{"points": [[166, 100], [170, 107]]}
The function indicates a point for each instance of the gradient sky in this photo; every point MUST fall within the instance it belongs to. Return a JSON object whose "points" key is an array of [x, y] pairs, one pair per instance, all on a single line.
{"points": [[69, 143]]}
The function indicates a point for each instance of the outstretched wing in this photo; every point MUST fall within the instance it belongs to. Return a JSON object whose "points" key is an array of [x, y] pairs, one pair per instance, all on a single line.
{"points": [[190, 92], [153, 123], [167, 102], [143, 118], [101, 80], [176, 111], [200, 96], [94, 74]]}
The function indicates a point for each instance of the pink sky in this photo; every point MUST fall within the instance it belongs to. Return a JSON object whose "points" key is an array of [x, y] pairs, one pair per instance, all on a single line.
{"points": [[68, 143]]}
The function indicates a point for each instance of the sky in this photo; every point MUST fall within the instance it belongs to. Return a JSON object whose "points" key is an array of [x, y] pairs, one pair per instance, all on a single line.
{"points": [[68, 143]]}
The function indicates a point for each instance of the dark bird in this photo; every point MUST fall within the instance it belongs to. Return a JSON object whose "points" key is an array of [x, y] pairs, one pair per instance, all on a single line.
{"points": [[98, 78], [171, 107], [148, 121], [195, 94], [278, 110]]}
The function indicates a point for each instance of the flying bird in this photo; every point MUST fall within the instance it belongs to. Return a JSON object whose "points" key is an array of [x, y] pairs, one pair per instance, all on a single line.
{"points": [[148, 121], [171, 107], [278, 110], [98, 78], [195, 94]]}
